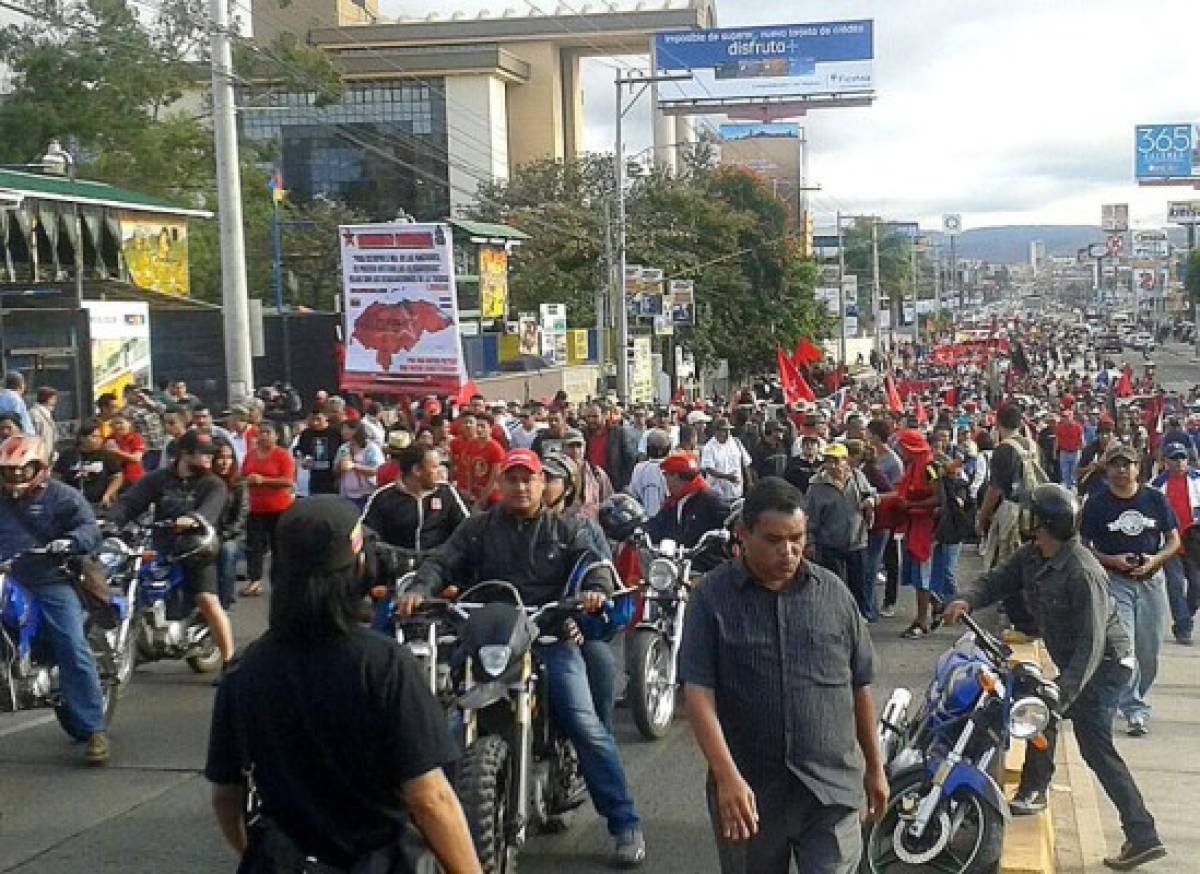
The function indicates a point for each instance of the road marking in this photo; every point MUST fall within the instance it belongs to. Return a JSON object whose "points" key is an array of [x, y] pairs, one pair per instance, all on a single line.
{"points": [[26, 726]]}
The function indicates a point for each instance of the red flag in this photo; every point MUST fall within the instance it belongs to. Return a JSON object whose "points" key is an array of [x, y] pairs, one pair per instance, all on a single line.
{"points": [[893, 397], [922, 414], [806, 353], [950, 397], [1124, 387], [794, 386], [465, 393]]}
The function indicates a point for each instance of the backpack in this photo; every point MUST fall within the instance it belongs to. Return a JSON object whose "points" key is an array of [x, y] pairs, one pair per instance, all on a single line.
{"points": [[1028, 478], [956, 522]]}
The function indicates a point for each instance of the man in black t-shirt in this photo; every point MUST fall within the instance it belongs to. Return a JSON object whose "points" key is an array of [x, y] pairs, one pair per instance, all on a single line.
{"points": [[1132, 530], [345, 742], [316, 448], [89, 468]]}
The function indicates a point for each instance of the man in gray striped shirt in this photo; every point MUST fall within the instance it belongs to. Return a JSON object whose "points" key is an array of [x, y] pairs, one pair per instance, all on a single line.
{"points": [[777, 664]]}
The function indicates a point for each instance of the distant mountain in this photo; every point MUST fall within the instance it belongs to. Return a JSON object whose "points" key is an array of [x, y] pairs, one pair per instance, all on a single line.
{"points": [[1009, 244]]}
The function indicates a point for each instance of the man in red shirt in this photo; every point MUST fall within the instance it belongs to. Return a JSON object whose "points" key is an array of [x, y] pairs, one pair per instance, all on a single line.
{"points": [[1068, 441], [126, 447], [483, 457], [1181, 484], [460, 447]]}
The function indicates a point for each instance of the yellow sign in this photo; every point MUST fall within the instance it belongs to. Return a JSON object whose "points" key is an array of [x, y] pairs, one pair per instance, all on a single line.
{"points": [[155, 250], [493, 282]]}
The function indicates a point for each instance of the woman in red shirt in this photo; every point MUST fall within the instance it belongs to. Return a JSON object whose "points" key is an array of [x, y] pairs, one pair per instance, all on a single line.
{"points": [[269, 471], [917, 496], [127, 447]]}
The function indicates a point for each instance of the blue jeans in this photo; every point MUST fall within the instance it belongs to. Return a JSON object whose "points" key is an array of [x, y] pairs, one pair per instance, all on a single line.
{"points": [[918, 574], [1183, 593], [877, 542], [943, 582], [227, 561], [601, 664], [63, 616], [574, 711], [1143, 610], [1068, 465]]}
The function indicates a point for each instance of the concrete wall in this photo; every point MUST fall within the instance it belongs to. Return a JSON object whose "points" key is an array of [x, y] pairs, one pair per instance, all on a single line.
{"points": [[477, 134], [535, 108], [579, 381]]}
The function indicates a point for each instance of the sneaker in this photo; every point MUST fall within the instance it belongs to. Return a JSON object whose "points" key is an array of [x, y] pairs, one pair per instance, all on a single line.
{"points": [[914, 632], [96, 753], [1131, 856], [888, 610], [630, 851], [1139, 726], [1027, 802], [1183, 638]]}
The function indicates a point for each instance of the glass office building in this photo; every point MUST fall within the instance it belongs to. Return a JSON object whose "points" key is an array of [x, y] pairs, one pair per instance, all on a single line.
{"points": [[381, 147]]}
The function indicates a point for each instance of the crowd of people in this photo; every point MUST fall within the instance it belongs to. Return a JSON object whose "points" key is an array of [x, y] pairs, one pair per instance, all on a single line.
{"points": [[890, 475]]}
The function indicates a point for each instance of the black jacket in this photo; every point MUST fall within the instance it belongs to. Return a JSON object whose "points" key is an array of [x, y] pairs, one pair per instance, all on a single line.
{"points": [[688, 521], [173, 497], [536, 555], [1069, 596], [233, 517], [401, 520]]}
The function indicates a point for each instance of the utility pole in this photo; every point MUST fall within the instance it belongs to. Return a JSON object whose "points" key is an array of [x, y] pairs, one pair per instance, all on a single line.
{"points": [[915, 289], [954, 274], [876, 287], [235, 305], [620, 297], [604, 296], [841, 289]]}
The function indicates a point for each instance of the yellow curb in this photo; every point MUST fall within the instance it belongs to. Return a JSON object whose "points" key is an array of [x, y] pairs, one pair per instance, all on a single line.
{"points": [[1028, 840]]}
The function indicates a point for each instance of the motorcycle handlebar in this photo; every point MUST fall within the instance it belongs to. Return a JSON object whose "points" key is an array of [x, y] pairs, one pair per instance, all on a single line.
{"points": [[997, 649]]}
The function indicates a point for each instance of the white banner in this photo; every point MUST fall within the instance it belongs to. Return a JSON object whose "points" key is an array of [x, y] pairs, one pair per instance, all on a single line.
{"points": [[400, 308]]}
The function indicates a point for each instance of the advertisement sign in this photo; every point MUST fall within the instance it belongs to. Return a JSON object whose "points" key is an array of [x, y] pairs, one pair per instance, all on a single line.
{"points": [[1114, 217], [769, 130], [493, 282], [776, 62], [529, 343], [400, 307], [1183, 212], [554, 332], [1166, 151], [641, 371], [155, 250], [952, 224], [683, 302], [644, 291], [120, 337], [1151, 244]]}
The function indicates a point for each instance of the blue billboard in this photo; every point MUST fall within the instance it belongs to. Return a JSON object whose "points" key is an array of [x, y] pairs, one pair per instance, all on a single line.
{"points": [[1167, 151], [760, 63]]}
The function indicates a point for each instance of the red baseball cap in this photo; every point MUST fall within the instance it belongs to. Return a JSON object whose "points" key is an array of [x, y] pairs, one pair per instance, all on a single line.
{"points": [[681, 464], [525, 458]]}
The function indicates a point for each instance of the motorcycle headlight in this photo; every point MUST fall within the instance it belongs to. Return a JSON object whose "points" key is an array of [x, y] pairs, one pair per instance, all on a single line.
{"points": [[112, 554], [1028, 718], [494, 659], [662, 575]]}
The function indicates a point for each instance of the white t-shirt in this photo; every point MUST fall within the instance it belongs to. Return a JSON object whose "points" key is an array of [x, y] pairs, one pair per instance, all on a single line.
{"points": [[728, 457], [649, 485]]}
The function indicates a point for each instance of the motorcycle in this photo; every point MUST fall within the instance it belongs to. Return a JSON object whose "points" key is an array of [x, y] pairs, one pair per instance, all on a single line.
{"points": [[947, 811], [30, 678], [167, 623], [519, 770], [652, 645]]}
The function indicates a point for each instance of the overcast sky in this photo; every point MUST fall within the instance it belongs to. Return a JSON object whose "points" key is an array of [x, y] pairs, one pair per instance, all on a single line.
{"points": [[1007, 111]]}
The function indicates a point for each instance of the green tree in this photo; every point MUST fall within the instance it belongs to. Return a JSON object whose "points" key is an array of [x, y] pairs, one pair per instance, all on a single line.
{"points": [[895, 264], [1191, 276]]}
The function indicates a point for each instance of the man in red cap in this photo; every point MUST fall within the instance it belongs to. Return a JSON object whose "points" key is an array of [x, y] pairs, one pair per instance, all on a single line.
{"points": [[691, 509], [535, 548]]}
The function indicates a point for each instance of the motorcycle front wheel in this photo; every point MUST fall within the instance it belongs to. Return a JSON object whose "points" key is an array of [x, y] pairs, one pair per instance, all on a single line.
{"points": [[206, 658], [973, 849], [482, 785], [651, 692]]}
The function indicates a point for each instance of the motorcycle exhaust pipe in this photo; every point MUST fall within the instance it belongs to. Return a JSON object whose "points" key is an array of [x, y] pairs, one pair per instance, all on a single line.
{"points": [[893, 721]]}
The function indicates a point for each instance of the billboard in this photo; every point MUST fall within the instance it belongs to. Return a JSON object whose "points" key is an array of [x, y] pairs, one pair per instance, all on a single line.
{"points": [[768, 130], [155, 250], [120, 337], [1114, 217], [1184, 212], [529, 343], [1167, 151], [400, 309], [683, 301], [757, 64], [641, 371], [554, 332], [493, 282]]}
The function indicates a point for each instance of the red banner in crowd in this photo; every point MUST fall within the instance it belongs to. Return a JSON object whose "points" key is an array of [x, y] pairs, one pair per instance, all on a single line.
{"points": [[794, 386]]}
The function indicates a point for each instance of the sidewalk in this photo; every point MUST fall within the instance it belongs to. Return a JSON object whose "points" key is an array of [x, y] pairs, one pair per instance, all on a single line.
{"points": [[1166, 765]]}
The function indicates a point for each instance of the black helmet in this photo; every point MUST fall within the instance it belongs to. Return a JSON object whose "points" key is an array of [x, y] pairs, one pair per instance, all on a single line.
{"points": [[620, 516], [1056, 510]]}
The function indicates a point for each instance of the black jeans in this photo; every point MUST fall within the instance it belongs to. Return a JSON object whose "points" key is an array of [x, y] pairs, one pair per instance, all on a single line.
{"points": [[1092, 713], [891, 569], [260, 539], [850, 565]]}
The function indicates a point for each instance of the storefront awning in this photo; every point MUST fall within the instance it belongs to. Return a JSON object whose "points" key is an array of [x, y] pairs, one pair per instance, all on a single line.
{"points": [[485, 232], [18, 185]]}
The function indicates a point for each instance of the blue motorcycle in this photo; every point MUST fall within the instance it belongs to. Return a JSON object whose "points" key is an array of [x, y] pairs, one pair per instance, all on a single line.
{"points": [[947, 811], [29, 677], [166, 623]]}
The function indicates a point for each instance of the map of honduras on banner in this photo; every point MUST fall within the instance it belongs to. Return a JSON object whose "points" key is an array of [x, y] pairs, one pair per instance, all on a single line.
{"points": [[400, 308]]}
